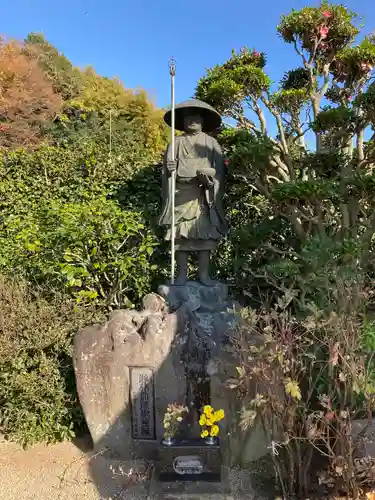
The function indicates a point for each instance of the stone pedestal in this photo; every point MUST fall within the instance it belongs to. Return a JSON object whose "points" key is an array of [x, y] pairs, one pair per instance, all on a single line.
{"points": [[209, 316], [363, 434], [189, 469], [131, 368], [216, 313], [175, 462], [189, 490]]}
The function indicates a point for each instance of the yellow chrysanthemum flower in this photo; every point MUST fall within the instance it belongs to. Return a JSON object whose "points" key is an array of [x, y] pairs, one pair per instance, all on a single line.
{"points": [[209, 422], [202, 420], [214, 430], [166, 425], [204, 434], [207, 410], [219, 415]]}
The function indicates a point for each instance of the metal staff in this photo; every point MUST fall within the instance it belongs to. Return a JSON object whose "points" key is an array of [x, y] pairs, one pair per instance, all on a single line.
{"points": [[172, 72]]}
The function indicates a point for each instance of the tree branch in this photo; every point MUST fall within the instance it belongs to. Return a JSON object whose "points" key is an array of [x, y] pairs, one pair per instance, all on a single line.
{"points": [[284, 175], [316, 101], [360, 144], [299, 52], [243, 120], [325, 85], [360, 131], [297, 225], [300, 134], [285, 253], [366, 239], [272, 281], [279, 122], [313, 52], [320, 218], [262, 189], [262, 119], [345, 219]]}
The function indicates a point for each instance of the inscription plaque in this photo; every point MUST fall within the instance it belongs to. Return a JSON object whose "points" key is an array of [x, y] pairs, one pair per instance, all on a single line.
{"points": [[142, 403], [189, 464]]}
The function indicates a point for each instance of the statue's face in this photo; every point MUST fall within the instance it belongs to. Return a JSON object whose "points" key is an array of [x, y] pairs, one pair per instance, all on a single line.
{"points": [[193, 123]]}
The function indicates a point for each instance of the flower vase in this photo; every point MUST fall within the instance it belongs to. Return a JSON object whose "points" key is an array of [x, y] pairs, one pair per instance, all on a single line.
{"points": [[168, 441], [210, 440]]}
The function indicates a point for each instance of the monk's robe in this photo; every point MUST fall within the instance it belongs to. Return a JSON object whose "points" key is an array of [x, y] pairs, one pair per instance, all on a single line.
{"points": [[199, 215]]}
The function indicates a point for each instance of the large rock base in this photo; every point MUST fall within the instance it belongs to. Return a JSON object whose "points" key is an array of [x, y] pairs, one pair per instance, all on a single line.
{"points": [[129, 369], [127, 373]]}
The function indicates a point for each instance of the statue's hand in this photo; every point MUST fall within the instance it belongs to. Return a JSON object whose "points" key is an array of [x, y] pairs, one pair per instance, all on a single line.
{"points": [[205, 180], [171, 166]]}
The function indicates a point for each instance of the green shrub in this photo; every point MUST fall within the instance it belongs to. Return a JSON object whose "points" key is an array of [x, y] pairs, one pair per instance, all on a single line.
{"points": [[63, 233], [93, 250], [75, 225], [38, 400]]}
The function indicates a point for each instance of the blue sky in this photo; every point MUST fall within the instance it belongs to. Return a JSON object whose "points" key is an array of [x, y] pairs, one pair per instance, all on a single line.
{"points": [[134, 40]]}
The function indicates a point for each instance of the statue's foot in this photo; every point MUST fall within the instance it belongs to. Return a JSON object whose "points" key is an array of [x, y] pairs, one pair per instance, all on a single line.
{"points": [[207, 281], [181, 280]]}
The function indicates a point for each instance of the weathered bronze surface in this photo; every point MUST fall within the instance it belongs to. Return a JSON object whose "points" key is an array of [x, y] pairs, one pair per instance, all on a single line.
{"points": [[199, 216]]}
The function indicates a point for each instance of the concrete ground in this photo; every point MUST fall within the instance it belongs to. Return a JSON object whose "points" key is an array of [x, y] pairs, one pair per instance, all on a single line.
{"points": [[70, 471]]}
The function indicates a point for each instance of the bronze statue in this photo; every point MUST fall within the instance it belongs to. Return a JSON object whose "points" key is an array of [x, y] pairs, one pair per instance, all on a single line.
{"points": [[198, 162]]}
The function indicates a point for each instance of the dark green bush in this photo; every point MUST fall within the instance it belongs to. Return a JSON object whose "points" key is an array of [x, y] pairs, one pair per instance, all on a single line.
{"points": [[38, 401]]}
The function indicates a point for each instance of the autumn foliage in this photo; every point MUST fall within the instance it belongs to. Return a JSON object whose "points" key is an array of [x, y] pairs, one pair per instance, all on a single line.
{"points": [[27, 98]]}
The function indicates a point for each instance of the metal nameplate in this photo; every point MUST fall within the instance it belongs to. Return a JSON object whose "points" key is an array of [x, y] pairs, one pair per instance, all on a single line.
{"points": [[189, 464], [142, 403]]}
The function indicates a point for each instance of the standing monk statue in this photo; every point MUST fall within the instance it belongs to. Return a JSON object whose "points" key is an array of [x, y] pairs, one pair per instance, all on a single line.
{"points": [[198, 163]]}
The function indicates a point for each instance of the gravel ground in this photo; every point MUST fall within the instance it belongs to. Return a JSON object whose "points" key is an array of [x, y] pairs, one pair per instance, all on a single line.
{"points": [[68, 471], [36, 473], [62, 471]]}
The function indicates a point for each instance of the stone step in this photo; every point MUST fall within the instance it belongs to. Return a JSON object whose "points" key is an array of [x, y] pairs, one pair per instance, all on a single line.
{"points": [[188, 490]]}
